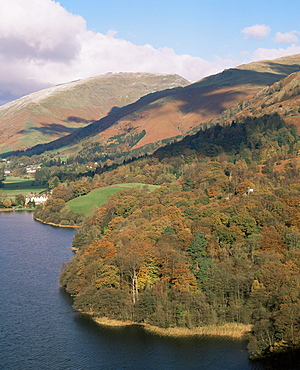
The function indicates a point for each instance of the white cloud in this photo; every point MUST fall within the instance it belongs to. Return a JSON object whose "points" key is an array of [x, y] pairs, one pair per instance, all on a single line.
{"points": [[38, 29], [42, 44], [288, 37], [257, 32], [263, 53]]}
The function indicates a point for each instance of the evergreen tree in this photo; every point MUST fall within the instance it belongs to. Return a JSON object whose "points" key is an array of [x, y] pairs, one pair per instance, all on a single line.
{"points": [[169, 230], [201, 262], [2, 176]]}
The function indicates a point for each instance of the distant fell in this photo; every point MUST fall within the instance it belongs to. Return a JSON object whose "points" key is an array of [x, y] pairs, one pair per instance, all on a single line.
{"points": [[52, 113]]}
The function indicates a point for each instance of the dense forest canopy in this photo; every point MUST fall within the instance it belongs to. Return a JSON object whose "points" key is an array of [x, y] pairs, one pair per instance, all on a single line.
{"points": [[218, 241]]}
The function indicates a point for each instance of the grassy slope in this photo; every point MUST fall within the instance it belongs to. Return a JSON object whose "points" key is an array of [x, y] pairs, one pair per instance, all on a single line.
{"points": [[97, 197], [18, 185]]}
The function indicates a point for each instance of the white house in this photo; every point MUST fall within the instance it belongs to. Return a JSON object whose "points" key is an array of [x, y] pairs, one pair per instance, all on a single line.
{"points": [[32, 169], [36, 198]]}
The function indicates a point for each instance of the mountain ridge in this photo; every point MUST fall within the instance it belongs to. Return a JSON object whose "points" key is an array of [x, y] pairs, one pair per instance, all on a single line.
{"points": [[172, 112]]}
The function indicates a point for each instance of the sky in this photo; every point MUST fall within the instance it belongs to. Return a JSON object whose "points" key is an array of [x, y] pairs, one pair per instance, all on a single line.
{"points": [[45, 42]]}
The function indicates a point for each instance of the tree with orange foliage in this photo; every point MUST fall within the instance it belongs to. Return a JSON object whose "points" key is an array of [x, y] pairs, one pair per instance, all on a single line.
{"points": [[132, 258], [172, 212], [182, 278], [243, 187], [271, 239]]}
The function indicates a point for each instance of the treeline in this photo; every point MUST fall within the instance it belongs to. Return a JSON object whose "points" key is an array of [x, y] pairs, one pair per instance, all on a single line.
{"points": [[218, 242]]}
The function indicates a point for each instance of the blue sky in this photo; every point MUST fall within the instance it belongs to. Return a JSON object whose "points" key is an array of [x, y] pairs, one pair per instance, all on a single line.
{"points": [[195, 27], [46, 42]]}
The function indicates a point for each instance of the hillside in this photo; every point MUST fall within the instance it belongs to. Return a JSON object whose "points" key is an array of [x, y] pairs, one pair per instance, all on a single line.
{"points": [[283, 97], [279, 102], [55, 112], [171, 113]]}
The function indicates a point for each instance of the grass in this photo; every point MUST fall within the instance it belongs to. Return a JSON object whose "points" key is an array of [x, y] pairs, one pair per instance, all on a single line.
{"points": [[86, 203], [18, 185], [136, 185], [97, 197]]}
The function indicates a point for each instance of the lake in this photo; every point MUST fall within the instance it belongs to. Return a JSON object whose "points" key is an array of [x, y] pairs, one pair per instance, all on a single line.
{"points": [[40, 330]]}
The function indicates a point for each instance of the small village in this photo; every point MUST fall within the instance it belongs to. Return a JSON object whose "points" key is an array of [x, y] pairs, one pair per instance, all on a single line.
{"points": [[19, 192]]}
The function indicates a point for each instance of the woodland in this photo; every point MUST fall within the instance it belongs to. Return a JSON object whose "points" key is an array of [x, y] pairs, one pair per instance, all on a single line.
{"points": [[217, 242]]}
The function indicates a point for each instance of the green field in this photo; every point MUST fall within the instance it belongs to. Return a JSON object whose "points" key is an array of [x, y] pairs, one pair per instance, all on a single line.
{"points": [[17, 185], [97, 197]]}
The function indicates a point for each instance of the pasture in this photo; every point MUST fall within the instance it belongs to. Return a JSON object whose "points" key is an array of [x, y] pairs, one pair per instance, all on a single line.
{"points": [[97, 197], [18, 185]]}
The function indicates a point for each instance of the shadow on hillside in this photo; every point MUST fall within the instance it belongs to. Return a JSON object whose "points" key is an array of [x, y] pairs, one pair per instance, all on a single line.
{"points": [[50, 129], [79, 120], [244, 76], [113, 110], [238, 76], [284, 69], [209, 102]]}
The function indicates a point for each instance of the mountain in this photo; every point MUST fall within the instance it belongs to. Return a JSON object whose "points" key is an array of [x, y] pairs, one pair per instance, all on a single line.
{"points": [[57, 111], [171, 113]]}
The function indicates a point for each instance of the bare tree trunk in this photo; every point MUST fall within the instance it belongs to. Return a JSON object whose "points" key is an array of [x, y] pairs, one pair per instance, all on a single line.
{"points": [[136, 287], [135, 291]]}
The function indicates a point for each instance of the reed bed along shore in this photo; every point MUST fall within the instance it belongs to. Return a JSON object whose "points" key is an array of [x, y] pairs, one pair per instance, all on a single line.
{"points": [[230, 330]]}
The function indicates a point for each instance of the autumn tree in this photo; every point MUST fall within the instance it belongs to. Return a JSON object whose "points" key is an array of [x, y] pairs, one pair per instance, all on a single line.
{"points": [[271, 239], [64, 192], [132, 259], [42, 175], [2, 176], [20, 199], [7, 203], [81, 188], [53, 182]]}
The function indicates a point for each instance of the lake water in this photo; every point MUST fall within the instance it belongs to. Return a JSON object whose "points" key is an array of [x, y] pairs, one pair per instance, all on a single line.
{"points": [[39, 329]]}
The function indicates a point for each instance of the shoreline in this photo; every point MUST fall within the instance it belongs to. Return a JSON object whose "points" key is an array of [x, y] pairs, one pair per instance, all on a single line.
{"points": [[36, 219], [56, 225], [16, 209], [229, 330]]}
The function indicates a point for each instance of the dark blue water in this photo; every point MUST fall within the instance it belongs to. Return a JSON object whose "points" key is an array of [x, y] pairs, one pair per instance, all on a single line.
{"points": [[39, 329]]}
